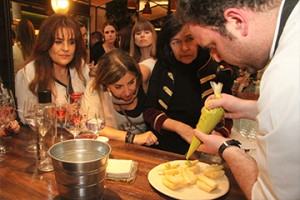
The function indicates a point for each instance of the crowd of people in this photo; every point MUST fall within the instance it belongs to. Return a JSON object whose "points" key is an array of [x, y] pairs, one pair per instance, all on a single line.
{"points": [[150, 87]]}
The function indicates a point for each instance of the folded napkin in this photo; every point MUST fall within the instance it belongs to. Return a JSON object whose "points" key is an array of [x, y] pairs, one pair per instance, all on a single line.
{"points": [[120, 169]]}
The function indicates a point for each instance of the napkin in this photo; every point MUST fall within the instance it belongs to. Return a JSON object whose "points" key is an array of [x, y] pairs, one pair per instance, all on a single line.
{"points": [[118, 168]]}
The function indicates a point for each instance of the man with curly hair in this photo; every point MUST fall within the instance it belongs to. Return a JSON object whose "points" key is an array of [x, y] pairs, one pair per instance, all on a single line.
{"points": [[262, 34]]}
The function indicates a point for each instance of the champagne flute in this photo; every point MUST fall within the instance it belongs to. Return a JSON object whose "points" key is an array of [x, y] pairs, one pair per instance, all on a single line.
{"points": [[28, 113], [75, 99], [61, 114]]}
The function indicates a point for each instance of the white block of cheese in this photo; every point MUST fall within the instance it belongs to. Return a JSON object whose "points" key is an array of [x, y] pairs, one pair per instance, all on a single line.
{"points": [[119, 168]]}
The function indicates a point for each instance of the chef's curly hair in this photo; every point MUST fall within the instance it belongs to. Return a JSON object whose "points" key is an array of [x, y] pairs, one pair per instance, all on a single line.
{"points": [[211, 12]]}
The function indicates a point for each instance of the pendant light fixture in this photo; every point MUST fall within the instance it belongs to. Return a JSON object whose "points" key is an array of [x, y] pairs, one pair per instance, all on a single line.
{"points": [[147, 9], [60, 6]]}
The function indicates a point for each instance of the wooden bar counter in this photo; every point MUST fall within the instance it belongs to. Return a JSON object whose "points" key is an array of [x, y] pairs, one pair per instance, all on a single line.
{"points": [[20, 180]]}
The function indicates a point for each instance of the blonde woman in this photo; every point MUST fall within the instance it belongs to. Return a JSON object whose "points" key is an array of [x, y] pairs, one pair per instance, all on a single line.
{"points": [[143, 48]]}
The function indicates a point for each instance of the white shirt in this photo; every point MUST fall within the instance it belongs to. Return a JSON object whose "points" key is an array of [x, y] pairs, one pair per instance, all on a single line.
{"points": [[17, 57], [278, 138], [149, 63], [26, 75]]}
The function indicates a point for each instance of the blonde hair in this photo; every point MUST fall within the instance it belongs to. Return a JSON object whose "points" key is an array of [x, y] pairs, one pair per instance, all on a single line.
{"points": [[140, 25]]}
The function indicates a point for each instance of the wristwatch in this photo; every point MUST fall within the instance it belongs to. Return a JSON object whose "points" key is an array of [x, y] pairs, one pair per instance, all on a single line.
{"points": [[226, 144]]}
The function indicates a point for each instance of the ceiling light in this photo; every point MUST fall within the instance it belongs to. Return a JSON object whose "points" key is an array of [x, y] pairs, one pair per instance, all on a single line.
{"points": [[147, 10], [60, 6]]}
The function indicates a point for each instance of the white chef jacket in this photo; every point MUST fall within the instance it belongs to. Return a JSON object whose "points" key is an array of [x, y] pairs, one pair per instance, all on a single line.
{"points": [[278, 139]]}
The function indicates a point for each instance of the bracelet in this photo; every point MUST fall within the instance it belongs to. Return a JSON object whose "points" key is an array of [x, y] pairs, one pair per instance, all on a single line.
{"points": [[129, 137], [226, 144]]}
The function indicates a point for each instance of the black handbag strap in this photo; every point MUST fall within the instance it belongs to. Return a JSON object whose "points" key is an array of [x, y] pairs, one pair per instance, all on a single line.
{"points": [[286, 11]]}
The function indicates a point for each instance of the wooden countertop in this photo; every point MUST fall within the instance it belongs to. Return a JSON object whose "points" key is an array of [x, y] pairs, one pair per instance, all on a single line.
{"points": [[19, 178]]}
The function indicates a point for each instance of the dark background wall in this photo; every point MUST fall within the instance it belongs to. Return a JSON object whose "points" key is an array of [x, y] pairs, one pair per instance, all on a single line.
{"points": [[6, 63]]}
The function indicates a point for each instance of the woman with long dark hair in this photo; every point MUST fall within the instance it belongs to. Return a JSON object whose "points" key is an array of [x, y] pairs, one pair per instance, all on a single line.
{"points": [[53, 64]]}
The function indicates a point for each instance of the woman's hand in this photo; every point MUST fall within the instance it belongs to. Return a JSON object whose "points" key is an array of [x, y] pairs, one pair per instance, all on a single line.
{"points": [[12, 126], [147, 138], [185, 131]]}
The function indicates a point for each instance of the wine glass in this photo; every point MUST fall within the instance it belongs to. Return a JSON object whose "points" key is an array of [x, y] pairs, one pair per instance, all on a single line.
{"points": [[61, 113], [94, 123], [7, 108], [75, 99], [3, 118], [28, 113], [74, 122]]}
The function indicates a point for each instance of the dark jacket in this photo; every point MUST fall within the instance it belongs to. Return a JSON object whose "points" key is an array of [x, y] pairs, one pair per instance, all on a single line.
{"points": [[179, 92]]}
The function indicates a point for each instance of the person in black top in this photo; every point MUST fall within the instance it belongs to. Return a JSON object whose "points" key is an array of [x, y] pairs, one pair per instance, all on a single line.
{"points": [[110, 42], [179, 85]]}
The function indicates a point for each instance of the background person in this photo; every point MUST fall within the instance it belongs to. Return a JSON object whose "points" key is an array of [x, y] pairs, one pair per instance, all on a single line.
{"points": [[96, 37], [143, 47], [53, 64], [233, 32], [110, 42], [178, 86], [23, 46]]}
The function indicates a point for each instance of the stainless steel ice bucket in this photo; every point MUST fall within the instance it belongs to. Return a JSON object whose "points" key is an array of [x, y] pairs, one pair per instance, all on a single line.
{"points": [[80, 167]]}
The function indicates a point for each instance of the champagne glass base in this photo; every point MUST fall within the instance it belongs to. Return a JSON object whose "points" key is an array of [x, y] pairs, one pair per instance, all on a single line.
{"points": [[87, 135], [45, 165], [46, 168], [2, 157], [31, 148], [4, 149]]}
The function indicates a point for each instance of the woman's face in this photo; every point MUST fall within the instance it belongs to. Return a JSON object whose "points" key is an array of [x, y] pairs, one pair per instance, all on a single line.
{"points": [[110, 34], [184, 47], [84, 34], [125, 88], [63, 48], [143, 38]]}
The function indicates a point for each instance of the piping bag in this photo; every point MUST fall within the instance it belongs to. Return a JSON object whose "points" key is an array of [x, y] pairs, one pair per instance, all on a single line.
{"points": [[208, 119]]}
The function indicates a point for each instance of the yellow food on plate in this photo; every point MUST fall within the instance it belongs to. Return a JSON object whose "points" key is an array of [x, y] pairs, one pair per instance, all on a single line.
{"points": [[189, 177], [194, 168], [167, 181], [171, 165], [208, 181], [203, 186], [214, 171], [177, 176], [215, 174], [213, 167], [171, 171], [191, 162]]}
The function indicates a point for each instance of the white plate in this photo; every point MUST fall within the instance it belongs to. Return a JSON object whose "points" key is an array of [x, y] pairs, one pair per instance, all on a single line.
{"points": [[190, 192]]}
